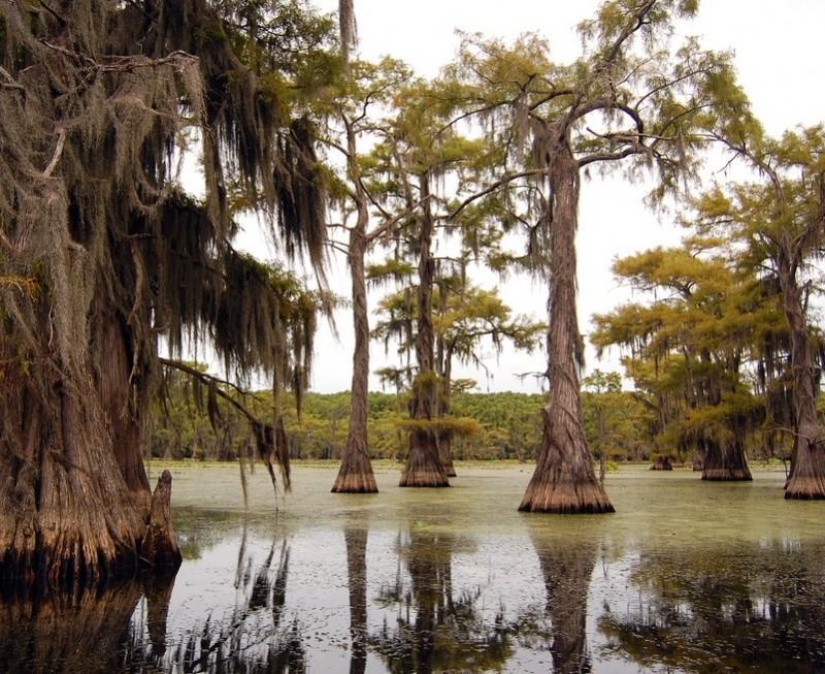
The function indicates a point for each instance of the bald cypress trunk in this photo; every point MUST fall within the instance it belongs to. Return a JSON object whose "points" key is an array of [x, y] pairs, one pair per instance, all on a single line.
{"points": [[75, 504], [564, 480], [424, 468], [444, 367], [807, 476], [355, 474], [725, 461]]}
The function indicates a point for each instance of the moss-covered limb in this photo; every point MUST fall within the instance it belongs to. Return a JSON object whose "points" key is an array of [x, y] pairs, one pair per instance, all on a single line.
{"points": [[270, 439], [88, 211]]}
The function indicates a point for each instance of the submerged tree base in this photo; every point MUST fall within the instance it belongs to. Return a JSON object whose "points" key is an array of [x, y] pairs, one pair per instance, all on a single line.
{"points": [[435, 479], [424, 467], [86, 548], [808, 488], [355, 476], [727, 475], [160, 549], [583, 497], [355, 483], [662, 463]]}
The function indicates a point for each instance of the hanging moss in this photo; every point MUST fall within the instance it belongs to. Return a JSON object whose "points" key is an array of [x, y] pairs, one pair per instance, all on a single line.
{"points": [[95, 95]]}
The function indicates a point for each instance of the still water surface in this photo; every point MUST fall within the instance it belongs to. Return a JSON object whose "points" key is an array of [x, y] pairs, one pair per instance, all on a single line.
{"points": [[686, 577]]}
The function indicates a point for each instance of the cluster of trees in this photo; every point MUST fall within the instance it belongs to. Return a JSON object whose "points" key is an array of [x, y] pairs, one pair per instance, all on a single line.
{"points": [[104, 256], [723, 343], [486, 426]]}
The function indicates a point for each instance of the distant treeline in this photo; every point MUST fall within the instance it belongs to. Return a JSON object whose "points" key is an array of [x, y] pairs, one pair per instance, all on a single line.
{"points": [[486, 425]]}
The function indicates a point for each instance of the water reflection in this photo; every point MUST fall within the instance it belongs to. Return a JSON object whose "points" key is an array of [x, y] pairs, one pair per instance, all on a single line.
{"points": [[437, 626], [567, 567], [82, 631], [448, 582], [707, 610], [252, 638], [356, 541]]}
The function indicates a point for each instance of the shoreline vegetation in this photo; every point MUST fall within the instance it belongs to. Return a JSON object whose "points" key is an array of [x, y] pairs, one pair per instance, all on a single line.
{"points": [[500, 426]]}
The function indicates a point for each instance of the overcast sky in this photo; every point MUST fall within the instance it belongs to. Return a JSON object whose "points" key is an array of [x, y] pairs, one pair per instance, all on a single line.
{"points": [[778, 57]]}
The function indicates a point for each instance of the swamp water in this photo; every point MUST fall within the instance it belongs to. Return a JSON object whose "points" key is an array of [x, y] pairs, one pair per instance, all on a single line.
{"points": [[686, 577]]}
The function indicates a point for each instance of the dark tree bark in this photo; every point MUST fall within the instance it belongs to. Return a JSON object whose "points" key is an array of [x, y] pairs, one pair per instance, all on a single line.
{"points": [[159, 546], [564, 480], [67, 514], [725, 462], [105, 254], [662, 463], [423, 467], [444, 401], [355, 474], [807, 476]]}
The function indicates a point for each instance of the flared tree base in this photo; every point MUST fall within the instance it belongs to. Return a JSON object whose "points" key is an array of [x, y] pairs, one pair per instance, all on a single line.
{"points": [[419, 478], [355, 483], [424, 467], [808, 488], [355, 476], [92, 545], [566, 499], [727, 475]]}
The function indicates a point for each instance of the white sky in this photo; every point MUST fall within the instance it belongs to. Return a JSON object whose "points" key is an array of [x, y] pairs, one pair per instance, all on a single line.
{"points": [[777, 49]]}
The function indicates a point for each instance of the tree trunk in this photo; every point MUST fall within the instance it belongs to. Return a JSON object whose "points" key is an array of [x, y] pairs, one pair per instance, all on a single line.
{"points": [[355, 475], [807, 476], [564, 480], [423, 468], [67, 514], [159, 547], [74, 497], [444, 402], [725, 462], [115, 388]]}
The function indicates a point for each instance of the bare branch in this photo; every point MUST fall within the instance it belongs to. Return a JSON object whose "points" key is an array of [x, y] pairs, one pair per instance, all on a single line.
{"points": [[492, 188], [58, 151], [10, 82]]}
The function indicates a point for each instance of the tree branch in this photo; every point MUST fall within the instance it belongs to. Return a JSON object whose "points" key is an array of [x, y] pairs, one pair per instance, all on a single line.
{"points": [[492, 188], [211, 379]]}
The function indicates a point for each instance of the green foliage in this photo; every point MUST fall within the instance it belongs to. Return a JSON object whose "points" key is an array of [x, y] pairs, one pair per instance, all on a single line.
{"points": [[486, 426]]}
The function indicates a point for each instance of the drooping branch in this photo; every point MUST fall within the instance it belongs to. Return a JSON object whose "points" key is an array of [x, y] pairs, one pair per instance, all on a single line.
{"points": [[270, 440]]}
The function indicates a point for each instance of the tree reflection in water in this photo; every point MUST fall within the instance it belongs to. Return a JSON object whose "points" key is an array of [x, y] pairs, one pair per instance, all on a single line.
{"points": [[356, 542], [82, 630], [715, 609], [567, 564], [253, 639], [436, 601], [435, 630]]}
